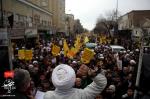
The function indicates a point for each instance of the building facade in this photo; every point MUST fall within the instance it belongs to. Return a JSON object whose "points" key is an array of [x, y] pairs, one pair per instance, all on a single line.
{"points": [[57, 7], [78, 27], [29, 19], [69, 24], [135, 21], [34, 17], [58, 10]]}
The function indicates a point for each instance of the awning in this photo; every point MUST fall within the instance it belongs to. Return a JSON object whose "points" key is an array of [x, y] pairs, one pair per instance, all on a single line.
{"points": [[17, 33]]}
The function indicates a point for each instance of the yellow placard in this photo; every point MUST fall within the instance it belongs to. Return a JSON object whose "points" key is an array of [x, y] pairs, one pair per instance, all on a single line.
{"points": [[21, 54], [55, 50], [28, 55], [87, 55]]}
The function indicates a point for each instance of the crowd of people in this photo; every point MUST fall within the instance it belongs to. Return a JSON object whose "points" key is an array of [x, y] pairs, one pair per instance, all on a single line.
{"points": [[118, 67]]}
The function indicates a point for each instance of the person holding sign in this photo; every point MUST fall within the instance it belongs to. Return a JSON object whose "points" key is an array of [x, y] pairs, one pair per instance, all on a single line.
{"points": [[63, 78]]}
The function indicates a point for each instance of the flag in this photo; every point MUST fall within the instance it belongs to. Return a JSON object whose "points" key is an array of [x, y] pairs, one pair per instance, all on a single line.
{"points": [[77, 44], [65, 47], [71, 53], [100, 40], [86, 39]]}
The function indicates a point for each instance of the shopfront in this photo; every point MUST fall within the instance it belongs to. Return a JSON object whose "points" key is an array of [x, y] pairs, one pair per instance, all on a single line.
{"points": [[31, 37]]}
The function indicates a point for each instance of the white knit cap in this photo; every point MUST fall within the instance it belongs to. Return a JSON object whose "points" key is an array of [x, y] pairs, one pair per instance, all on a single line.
{"points": [[74, 62], [35, 62], [63, 77], [132, 62], [112, 87]]}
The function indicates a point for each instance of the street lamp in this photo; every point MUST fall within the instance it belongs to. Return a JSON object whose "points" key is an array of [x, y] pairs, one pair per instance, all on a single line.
{"points": [[117, 11]]}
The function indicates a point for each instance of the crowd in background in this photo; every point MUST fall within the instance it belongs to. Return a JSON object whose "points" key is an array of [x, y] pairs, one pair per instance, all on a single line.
{"points": [[119, 68]]}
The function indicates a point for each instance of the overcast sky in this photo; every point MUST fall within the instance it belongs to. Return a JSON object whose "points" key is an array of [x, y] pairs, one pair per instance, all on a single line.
{"points": [[89, 10]]}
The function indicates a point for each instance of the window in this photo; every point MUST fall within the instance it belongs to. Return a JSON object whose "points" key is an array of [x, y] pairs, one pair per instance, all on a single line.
{"points": [[44, 3], [9, 13], [16, 17], [45, 23], [25, 18], [136, 32], [42, 22], [29, 19], [20, 18]]}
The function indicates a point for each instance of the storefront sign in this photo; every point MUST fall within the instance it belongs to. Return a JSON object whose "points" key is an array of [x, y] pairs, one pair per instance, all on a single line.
{"points": [[30, 33], [16, 33]]}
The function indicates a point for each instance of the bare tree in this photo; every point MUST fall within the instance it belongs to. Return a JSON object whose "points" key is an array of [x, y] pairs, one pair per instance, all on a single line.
{"points": [[106, 23], [78, 28]]}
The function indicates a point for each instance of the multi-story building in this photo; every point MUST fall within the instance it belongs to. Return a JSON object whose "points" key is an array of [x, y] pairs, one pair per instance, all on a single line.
{"points": [[57, 7], [59, 15], [46, 4], [135, 21], [69, 24], [34, 17], [78, 27], [30, 19]]}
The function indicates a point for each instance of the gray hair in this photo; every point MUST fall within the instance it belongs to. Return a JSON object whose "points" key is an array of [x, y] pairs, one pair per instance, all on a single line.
{"points": [[21, 78]]}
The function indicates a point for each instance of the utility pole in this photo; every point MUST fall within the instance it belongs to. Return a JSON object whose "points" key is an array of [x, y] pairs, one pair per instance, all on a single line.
{"points": [[143, 38], [139, 67], [116, 21], [9, 49], [9, 30], [117, 11]]}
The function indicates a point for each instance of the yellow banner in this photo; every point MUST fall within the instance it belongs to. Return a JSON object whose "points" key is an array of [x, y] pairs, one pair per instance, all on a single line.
{"points": [[21, 54], [78, 44], [77, 41], [65, 47], [86, 39], [103, 40], [55, 50], [28, 55], [71, 53], [87, 55], [109, 40], [100, 40]]}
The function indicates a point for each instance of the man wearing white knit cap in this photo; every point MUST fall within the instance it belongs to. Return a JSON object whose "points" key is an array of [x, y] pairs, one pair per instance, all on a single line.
{"points": [[63, 78]]}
